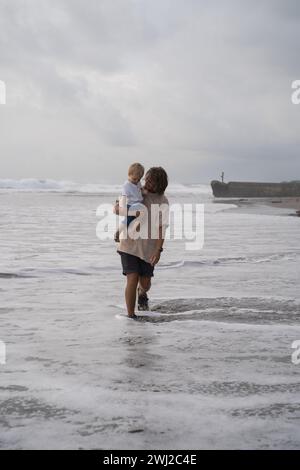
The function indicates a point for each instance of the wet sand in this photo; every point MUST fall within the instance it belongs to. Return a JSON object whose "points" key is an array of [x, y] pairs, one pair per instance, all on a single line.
{"points": [[287, 203], [292, 203]]}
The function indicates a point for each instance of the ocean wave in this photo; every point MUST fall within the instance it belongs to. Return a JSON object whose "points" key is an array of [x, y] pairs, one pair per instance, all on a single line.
{"points": [[51, 185], [171, 265], [190, 189], [178, 264], [78, 271], [267, 258], [11, 275]]}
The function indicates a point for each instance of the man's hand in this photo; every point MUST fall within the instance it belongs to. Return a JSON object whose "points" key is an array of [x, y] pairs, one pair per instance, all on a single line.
{"points": [[155, 258], [120, 209]]}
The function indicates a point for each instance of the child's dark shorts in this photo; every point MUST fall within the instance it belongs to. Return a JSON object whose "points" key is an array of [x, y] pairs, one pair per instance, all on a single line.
{"points": [[133, 264]]}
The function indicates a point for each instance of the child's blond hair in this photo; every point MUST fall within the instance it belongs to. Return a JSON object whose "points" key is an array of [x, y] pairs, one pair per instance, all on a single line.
{"points": [[136, 169]]}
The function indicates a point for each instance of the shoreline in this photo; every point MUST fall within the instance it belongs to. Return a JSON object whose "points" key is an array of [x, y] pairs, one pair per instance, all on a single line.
{"points": [[281, 203]]}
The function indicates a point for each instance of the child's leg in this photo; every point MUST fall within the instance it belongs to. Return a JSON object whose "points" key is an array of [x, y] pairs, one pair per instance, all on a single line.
{"points": [[133, 210], [131, 217]]}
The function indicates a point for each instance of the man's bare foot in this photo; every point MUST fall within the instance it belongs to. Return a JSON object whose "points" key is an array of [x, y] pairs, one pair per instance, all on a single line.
{"points": [[142, 300], [133, 317]]}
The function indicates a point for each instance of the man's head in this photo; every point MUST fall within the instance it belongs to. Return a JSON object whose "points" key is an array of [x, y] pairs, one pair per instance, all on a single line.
{"points": [[135, 172], [156, 180]]}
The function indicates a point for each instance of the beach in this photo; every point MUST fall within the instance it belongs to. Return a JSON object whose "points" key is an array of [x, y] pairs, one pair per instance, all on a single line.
{"points": [[287, 203], [212, 370], [291, 203]]}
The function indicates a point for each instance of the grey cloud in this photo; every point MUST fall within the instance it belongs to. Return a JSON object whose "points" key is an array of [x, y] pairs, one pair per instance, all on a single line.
{"points": [[196, 86]]}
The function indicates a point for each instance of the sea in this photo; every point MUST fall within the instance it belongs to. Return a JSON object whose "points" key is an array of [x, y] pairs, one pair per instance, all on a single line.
{"points": [[216, 366]]}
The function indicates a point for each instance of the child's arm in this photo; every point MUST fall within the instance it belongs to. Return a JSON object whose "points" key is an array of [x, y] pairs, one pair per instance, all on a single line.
{"points": [[120, 207]]}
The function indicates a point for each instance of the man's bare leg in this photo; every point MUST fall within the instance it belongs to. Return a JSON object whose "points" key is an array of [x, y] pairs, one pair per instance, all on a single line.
{"points": [[130, 292], [144, 286]]}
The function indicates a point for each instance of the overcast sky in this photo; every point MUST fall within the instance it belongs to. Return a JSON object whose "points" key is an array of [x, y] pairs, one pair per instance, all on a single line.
{"points": [[195, 86]]}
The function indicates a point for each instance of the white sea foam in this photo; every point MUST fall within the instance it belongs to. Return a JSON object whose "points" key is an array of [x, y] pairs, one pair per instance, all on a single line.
{"points": [[220, 350], [51, 185]]}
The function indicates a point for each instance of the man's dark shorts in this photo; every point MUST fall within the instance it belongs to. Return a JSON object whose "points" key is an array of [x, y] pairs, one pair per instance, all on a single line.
{"points": [[133, 264]]}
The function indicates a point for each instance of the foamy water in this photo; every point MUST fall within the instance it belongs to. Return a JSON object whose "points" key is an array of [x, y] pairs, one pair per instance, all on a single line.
{"points": [[65, 186], [212, 369]]}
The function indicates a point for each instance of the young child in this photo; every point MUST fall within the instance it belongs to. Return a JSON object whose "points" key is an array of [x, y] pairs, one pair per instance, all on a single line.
{"points": [[132, 191]]}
